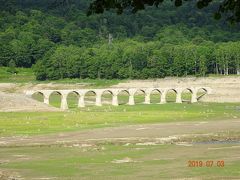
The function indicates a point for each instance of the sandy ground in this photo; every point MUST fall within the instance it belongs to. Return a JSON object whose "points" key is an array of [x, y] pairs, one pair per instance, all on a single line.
{"points": [[10, 102], [22, 87], [142, 133]]}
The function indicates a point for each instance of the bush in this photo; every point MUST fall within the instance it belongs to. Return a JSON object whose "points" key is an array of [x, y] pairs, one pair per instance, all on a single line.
{"points": [[12, 67]]}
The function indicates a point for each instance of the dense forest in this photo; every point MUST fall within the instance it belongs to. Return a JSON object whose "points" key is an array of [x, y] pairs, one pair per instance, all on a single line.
{"points": [[61, 41]]}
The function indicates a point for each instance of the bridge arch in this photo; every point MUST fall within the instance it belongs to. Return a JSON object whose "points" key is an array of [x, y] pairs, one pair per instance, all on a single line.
{"points": [[90, 97], [93, 96], [72, 99], [186, 95], [123, 91], [203, 89], [200, 92], [107, 91], [139, 90], [171, 95], [38, 95], [139, 96], [155, 96], [105, 99], [55, 92], [123, 96], [55, 98]]}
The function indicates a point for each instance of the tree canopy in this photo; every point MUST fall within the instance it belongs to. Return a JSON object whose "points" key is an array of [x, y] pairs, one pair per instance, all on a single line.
{"points": [[231, 7], [63, 42]]}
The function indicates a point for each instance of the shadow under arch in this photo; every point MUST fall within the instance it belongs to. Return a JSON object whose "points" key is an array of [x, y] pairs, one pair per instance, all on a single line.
{"points": [[139, 96], [55, 98], [186, 95], [123, 97], [72, 99], [90, 98], [171, 95], [38, 95], [106, 97], [155, 96], [201, 92]]}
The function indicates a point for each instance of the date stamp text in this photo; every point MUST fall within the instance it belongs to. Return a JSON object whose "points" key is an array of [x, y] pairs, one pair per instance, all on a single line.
{"points": [[208, 163]]}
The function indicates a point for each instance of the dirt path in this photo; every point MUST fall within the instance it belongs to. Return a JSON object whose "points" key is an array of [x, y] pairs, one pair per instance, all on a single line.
{"points": [[160, 132]]}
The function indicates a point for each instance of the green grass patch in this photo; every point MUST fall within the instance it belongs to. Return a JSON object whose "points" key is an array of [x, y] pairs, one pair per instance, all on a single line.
{"points": [[26, 75], [23, 75], [102, 161], [31, 123]]}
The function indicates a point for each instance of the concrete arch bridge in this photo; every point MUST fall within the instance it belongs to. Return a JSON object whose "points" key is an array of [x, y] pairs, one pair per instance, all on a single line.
{"points": [[132, 92]]}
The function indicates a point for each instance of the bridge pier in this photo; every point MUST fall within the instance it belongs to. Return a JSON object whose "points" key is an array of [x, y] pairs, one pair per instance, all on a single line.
{"points": [[115, 100], [131, 100], [64, 104], [98, 99], [115, 93], [163, 98], [46, 98], [147, 99], [179, 97], [81, 102], [194, 97]]}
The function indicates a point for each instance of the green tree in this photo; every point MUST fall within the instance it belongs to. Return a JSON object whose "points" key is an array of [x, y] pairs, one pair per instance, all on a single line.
{"points": [[99, 6], [61, 64], [12, 67]]}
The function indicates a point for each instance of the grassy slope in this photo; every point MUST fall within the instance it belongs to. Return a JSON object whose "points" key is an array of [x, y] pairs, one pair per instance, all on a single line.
{"points": [[97, 162], [23, 75], [21, 123], [26, 75]]}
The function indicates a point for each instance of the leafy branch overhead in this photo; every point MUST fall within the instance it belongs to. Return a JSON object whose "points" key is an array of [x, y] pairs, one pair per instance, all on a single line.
{"points": [[229, 7]]}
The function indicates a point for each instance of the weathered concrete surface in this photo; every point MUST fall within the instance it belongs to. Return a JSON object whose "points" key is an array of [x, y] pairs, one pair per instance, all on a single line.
{"points": [[224, 89], [116, 91]]}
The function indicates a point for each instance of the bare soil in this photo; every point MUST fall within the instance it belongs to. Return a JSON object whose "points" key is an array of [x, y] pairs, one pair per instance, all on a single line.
{"points": [[22, 87], [148, 133], [10, 102]]}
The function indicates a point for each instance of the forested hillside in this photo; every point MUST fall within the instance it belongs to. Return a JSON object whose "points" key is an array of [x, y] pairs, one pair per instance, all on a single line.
{"points": [[60, 41]]}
